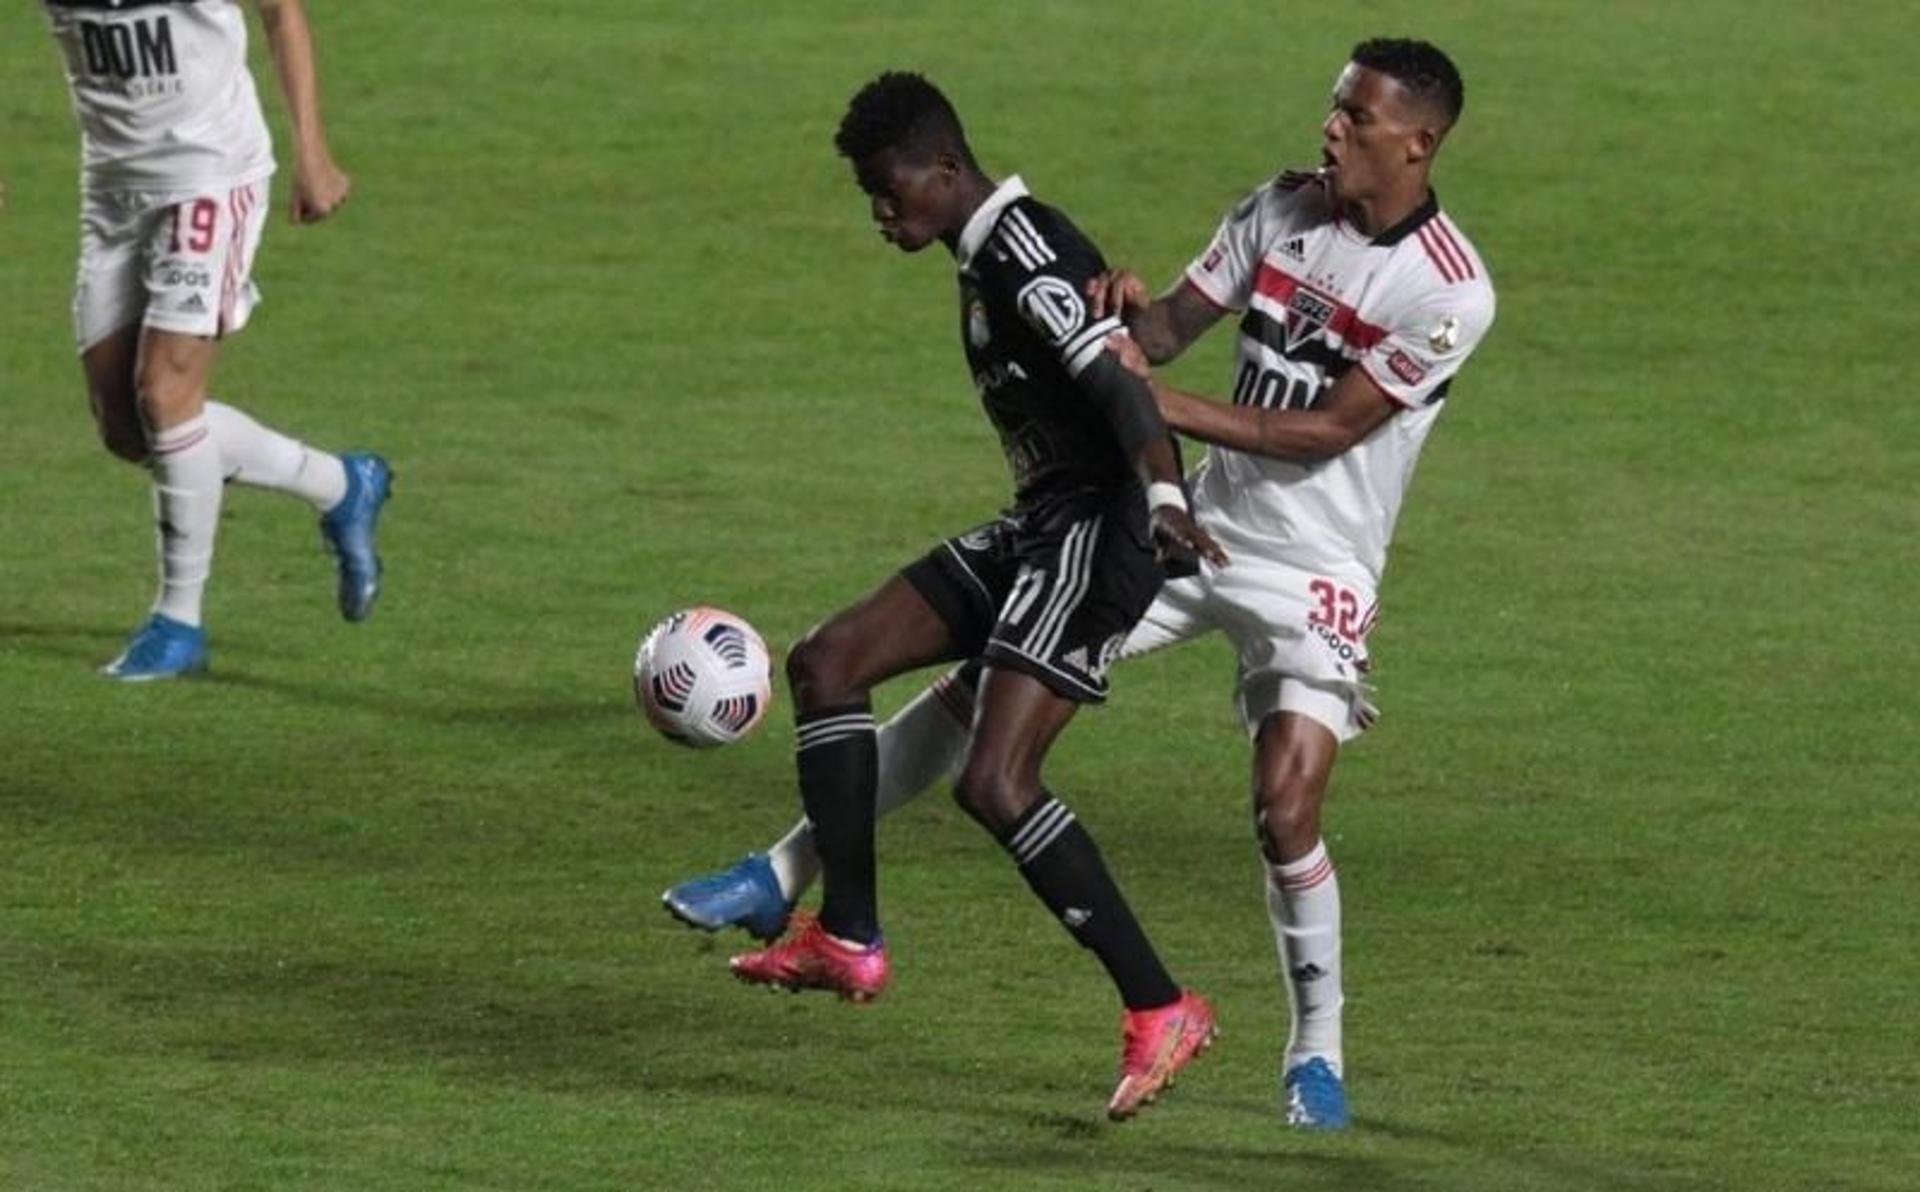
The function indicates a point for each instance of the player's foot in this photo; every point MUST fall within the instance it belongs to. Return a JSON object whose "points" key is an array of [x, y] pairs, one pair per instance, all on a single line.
{"points": [[746, 895], [1316, 1098], [809, 958], [348, 529], [1158, 1044], [162, 648]]}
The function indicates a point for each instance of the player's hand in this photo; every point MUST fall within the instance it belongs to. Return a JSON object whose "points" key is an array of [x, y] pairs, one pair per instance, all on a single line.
{"points": [[1180, 543], [1117, 292], [319, 189], [1130, 356]]}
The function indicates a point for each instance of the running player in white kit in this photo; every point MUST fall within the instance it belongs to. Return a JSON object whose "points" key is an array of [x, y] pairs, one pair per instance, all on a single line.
{"points": [[175, 156], [1359, 300]]}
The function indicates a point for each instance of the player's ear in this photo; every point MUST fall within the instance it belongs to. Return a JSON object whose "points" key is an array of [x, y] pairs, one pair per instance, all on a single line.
{"points": [[1421, 144]]}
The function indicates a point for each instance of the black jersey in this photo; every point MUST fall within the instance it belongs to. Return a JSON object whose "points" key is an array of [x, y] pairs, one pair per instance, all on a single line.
{"points": [[1024, 322]]}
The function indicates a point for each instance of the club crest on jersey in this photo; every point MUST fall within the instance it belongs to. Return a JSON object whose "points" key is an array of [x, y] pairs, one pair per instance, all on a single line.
{"points": [[1307, 314], [1053, 307], [1445, 334], [977, 330]]}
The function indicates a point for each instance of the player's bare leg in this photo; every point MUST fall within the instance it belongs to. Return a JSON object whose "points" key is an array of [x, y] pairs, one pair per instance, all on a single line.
{"points": [[1293, 760], [169, 384], [148, 391], [108, 365], [832, 672], [1016, 723]]}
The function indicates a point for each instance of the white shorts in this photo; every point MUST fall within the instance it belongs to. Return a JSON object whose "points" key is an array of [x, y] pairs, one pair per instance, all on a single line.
{"points": [[172, 260], [1301, 637]]}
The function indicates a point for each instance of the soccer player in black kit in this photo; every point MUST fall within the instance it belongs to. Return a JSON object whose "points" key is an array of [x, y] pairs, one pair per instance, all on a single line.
{"points": [[1043, 595]]}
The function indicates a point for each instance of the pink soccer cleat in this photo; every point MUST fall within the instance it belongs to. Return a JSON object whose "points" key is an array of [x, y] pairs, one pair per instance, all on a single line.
{"points": [[809, 958], [1159, 1043]]}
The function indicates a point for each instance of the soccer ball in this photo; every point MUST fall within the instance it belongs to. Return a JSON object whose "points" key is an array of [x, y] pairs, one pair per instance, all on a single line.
{"points": [[703, 678]]}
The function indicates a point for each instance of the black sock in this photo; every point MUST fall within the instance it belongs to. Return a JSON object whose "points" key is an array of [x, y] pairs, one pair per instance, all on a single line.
{"points": [[839, 762], [1063, 865]]}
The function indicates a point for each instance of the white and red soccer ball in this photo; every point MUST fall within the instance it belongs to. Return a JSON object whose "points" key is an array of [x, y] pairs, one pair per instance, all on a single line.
{"points": [[703, 677]]}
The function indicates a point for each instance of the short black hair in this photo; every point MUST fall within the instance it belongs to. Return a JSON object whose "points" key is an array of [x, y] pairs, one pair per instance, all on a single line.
{"points": [[1426, 73], [903, 112]]}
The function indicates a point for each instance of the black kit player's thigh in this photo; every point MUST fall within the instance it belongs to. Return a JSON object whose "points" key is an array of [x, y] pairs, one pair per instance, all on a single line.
{"points": [[1083, 583], [966, 579]]}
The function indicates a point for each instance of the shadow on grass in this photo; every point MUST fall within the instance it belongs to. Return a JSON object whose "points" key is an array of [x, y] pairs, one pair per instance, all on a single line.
{"points": [[92, 643], [486, 1019], [1187, 1164], [480, 1023], [428, 708], [95, 645]]}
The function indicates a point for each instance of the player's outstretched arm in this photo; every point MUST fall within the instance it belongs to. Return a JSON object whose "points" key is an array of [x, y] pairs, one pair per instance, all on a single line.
{"points": [[1163, 327], [319, 185], [1353, 409], [1128, 405]]}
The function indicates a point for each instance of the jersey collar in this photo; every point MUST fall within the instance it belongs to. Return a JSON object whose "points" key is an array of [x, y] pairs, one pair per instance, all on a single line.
{"points": [[1405, 227], [980, 223]]}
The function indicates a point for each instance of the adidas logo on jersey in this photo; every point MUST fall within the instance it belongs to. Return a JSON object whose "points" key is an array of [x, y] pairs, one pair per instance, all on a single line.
{"points": [[194, 305], [1295, 248]]}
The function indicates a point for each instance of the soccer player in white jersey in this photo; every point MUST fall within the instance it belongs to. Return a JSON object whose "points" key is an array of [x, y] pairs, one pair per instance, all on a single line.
{"points": [[175, 157], [1359, 299]]}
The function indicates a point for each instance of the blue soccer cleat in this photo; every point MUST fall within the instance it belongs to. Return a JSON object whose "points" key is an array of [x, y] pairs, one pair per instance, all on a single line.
{"points": [[1316, 1098], [746, 896], [348, 528], [162, 648]]}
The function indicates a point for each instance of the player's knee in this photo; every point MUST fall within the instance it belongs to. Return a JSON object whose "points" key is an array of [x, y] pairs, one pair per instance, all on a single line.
{"points": [[989, 795], [116, 419], [1286, 815], [167, 395], [124, 438], [121, 434], [818, 670]]}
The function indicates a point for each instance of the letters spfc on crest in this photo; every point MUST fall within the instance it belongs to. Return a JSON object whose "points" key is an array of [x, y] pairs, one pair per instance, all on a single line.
{"points": [[1307, 313]]}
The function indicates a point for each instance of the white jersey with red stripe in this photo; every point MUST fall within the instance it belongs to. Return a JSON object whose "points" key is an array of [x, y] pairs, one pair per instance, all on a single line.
{"points": [[162, 93], [1318, 297]]}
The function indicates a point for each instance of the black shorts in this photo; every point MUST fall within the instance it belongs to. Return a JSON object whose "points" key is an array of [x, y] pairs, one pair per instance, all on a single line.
{"points": [[1052, 592]]}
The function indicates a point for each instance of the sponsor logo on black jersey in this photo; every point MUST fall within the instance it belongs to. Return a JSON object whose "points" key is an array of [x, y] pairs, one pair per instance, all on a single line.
{"points": [[978, 330]]}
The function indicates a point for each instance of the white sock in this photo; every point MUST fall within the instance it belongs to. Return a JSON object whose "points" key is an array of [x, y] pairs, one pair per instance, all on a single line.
{"points": [[263, 458], [1303, 901], [921, 744], [186, 513]]}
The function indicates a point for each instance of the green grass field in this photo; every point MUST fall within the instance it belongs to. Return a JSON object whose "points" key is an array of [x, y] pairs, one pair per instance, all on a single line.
{"points": [[1630, 895]]}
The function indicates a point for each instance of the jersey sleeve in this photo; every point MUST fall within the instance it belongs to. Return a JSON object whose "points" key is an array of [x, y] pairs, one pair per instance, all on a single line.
{"points": [[1048, 267], [1427, 341], [1224, 273]]}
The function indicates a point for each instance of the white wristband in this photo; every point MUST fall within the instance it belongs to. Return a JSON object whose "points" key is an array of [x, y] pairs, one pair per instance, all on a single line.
{"points": [[1161, 493]]}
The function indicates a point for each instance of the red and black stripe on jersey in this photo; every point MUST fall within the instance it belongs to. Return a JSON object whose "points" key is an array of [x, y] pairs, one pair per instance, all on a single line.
{"points": [[1026, 330]]}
